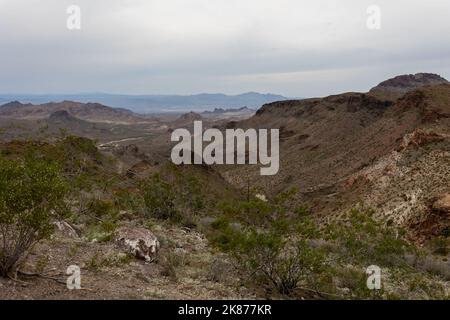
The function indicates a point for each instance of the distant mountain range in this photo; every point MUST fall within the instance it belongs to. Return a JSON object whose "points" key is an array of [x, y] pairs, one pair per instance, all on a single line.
{"points": [[92, 112], [155, 103]]}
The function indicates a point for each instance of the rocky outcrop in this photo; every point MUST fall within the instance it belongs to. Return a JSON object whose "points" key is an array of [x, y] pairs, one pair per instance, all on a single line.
{"points": [[421, 138], [409, 82], [139, 242]]}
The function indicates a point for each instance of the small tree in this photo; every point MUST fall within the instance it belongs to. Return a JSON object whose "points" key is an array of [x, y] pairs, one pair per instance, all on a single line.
{"points": [[276, 256], [284, 263], [31, 195]]}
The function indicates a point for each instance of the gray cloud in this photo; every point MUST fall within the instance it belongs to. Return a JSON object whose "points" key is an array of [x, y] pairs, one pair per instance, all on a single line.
{"points": [[291, 47]]}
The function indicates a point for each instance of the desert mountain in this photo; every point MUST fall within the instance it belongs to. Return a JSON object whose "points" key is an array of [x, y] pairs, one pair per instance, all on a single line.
{"points": [[159, 103], [62, 116], [400, 85], [186, 120], [190, 116], [92, 112], [359, 148], [234, 114]]}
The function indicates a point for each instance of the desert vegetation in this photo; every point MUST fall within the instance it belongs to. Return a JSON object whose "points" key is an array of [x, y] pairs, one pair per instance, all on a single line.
{"points": [[32, 195], [362, 186], [275, 248]]}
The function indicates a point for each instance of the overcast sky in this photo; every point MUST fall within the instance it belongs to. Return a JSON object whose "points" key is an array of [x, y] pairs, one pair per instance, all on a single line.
{"points": [[292, 47]]}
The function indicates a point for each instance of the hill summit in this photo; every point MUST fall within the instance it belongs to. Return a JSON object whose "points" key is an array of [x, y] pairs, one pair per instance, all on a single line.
{"points": [[405, 83]]}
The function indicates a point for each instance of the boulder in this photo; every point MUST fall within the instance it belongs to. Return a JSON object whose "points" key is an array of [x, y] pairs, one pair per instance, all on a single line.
{"points": [[139, 242], [442, 204], [261, 197]]}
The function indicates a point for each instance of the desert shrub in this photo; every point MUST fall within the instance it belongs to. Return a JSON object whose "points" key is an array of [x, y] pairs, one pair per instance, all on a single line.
{"points": [[364, 240], [159, 199], [285, 263], [434, 265], [171, 262], [293, 253], [422, 286], [220, 270], [128, 200], [351, 283], [81, 163], [191, 193], [32, 194], [446, 232], [73, 147], [302, 211], [270, 244], [76, 155], [222, 234], [102, 208], [102, 217], [275, 256], [253, 211], [440, 246], [99, 261], [101, 231]]}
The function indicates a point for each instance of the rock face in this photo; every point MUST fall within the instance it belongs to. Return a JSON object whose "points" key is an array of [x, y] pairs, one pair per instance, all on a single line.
{"points": [[406, 83], [140, 242], [421, 138]]}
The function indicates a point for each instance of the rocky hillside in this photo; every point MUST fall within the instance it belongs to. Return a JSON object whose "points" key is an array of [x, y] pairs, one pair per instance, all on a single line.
{"points": [[364, 149], [400, 85], [93, 112]]}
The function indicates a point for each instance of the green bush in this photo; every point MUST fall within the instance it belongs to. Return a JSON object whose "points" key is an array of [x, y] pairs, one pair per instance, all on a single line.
{"points": [[159, 198], [362, 240], [102, 207], [281, 262], [32, 194], [128, 200], [273, 256], [440, 246], [293, 253]]}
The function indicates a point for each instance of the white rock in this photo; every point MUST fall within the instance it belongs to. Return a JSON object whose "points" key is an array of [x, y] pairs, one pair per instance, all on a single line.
{"points": [[261, 197], [140, 242]]}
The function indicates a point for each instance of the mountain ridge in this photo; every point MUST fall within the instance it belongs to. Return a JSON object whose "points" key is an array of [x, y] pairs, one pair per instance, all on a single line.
{"points": [[157, 103], [92, 112]]}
